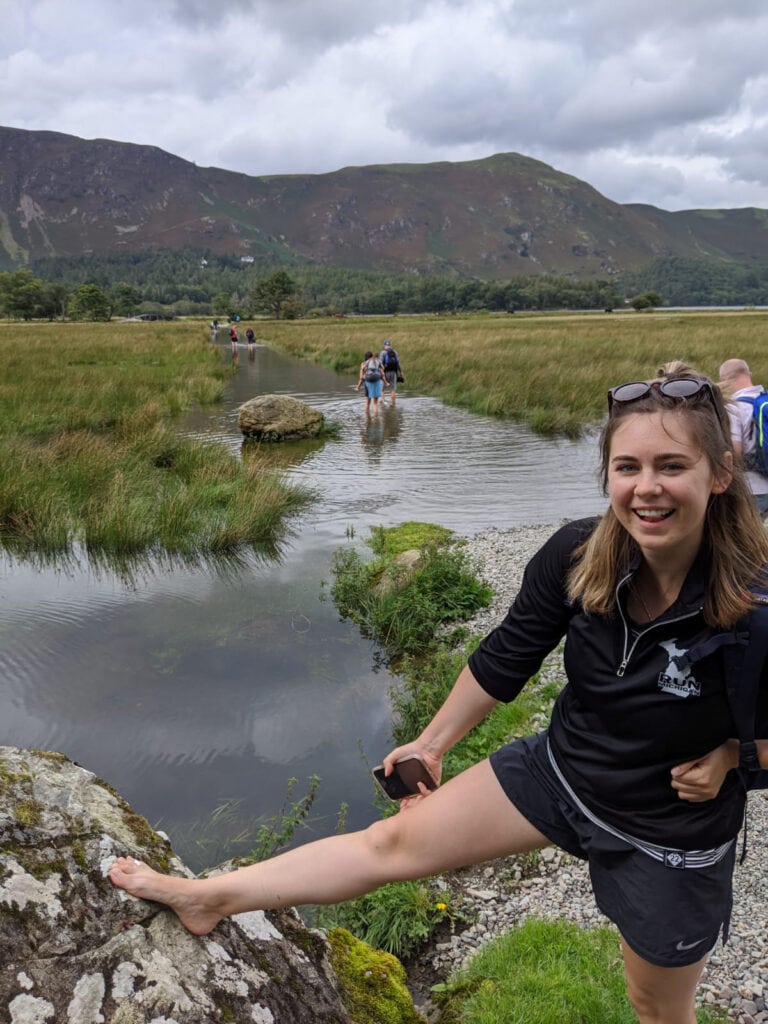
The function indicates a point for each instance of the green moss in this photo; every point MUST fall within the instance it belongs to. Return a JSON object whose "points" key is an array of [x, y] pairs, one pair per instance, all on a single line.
{"points": [[38, 863], [9, 778], [390, 541], [51, 755], [27, 812], [372, 983], [146, 837], [451, 1003], [43, 868], [79, 856]]}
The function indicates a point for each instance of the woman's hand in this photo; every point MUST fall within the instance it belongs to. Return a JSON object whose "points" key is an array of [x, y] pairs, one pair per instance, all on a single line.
{"points": [[701, 779], [432, 762]]}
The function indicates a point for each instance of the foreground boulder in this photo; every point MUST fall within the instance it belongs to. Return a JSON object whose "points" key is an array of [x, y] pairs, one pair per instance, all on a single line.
{"points": [[76, 950], [279, 418]]}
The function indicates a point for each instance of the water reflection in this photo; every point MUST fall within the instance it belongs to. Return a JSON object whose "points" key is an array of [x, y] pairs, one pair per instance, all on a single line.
{"points": [[377, 431], [269, 455]]}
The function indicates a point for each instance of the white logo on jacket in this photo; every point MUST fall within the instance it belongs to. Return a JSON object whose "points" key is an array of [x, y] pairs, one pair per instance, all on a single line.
{"points": [[675, 679]]}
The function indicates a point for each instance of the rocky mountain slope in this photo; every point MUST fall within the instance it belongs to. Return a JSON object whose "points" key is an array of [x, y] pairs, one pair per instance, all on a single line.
{"points": [[498, 217]]}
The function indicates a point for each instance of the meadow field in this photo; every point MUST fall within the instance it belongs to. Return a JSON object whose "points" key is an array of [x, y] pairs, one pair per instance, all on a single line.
{"points": [[551, 372], [91, 457]]}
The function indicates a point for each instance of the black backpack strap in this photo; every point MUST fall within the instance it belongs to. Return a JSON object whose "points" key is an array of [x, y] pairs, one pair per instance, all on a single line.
{"points": [[745, 664]]}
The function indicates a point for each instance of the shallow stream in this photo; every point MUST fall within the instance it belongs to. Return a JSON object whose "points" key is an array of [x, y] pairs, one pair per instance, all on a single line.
{"points": [[191, 692]]}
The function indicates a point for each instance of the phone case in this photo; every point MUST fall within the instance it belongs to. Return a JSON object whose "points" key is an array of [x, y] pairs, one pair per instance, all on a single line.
{"points": [[404, 780]]}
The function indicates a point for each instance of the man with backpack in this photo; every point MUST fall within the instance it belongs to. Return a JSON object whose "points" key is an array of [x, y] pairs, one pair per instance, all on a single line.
{"points": [[392, 372], [748, 412]]}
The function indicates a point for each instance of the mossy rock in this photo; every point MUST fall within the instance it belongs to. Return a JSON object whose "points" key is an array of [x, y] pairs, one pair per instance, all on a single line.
{"points": [[75, 948], [372, 982]]}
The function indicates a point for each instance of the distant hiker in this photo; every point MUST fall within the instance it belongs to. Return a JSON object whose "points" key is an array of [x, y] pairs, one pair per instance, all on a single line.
{"points": [[233, 337], [250, 337], [749, 433], [372, 378], [392, 372]]}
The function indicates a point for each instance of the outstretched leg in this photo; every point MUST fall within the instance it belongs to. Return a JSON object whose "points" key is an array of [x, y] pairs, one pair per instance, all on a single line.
{"points": [[466, 821]]}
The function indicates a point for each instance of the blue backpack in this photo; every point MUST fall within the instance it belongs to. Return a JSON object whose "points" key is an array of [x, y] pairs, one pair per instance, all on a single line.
{"points": [[757, 459]]}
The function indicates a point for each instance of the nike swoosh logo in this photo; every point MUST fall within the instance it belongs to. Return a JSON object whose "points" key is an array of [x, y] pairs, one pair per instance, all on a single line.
{"points": [[683, 945]]}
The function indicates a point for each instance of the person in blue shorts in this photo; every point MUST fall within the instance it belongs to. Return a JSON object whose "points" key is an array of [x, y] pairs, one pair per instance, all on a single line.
{"points": [[640, 771], [372, 379]]}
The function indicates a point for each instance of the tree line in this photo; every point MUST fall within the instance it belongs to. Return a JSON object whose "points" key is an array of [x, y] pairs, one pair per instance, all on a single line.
{"points": [[189, 282]]}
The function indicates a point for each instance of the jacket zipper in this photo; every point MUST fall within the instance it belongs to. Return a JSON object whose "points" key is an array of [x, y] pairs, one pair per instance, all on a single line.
{"points": [[649, 629]]}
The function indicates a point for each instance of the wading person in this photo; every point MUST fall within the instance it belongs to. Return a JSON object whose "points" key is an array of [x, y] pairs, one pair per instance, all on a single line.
{"points": [[638, 772], [737, 378], [372, 379], [390, 362]]}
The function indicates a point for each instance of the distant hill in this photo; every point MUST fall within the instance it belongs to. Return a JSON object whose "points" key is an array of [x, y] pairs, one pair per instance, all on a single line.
{"points": [[499, 217]]}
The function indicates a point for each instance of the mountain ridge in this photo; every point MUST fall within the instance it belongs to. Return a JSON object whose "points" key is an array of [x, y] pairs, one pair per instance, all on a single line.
{"points": [[500, 216]]}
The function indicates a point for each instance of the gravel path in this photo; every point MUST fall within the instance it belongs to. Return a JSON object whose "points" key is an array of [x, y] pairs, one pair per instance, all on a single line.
{"points": [[556, 885]]}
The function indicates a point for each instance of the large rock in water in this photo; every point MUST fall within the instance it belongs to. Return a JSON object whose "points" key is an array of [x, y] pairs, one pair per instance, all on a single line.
{"points": [[279, 418], [76, 950]]}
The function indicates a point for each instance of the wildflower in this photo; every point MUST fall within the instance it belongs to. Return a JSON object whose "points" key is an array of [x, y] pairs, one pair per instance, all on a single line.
{"points": [[441, 906]]}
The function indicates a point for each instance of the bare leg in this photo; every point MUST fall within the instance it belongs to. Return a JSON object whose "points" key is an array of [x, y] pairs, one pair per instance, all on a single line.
{"points": [[466, 821], [661, 995]]}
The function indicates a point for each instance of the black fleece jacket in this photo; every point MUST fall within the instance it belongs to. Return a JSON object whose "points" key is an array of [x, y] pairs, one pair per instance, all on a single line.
{"points": [[628, 713]]}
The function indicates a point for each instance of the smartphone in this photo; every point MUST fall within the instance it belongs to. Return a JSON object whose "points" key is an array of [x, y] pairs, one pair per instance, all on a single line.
{"points": [[405, 778]]}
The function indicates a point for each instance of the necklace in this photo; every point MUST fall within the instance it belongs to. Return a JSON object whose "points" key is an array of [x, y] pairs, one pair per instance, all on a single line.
{"points": [[639, 596]]}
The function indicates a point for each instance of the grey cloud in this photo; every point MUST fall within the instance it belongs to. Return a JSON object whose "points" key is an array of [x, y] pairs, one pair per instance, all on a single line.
{"points": [[305, 21], [744, 154], [661, 102], [553, 95], [624, 179]]}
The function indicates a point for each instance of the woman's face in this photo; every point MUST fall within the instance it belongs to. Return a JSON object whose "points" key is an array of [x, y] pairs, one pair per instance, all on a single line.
{"points": [[660, 482]]}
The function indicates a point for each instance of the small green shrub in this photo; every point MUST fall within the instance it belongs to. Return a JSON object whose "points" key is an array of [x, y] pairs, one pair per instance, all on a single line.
{"points": [[403, 609], [398, 918], [277, 832]]}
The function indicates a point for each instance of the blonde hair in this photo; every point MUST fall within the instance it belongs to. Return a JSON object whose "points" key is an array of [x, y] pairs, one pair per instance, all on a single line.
{"points": [[735, 540]]}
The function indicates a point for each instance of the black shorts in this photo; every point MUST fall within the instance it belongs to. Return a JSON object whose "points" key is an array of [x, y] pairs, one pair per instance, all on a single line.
{"points": [[670, 917]]}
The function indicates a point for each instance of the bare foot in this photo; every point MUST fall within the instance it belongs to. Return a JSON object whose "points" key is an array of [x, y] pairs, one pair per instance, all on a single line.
{"points": [[182, 895]]}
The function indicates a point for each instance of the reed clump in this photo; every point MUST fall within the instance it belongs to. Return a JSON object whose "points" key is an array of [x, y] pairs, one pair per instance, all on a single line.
{"points": [[550, 372], [91, 458]]}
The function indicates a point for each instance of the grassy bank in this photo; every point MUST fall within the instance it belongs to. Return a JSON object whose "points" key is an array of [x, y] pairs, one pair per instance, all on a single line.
{"points": [[91, 458], [551, 372], [542, 972]]}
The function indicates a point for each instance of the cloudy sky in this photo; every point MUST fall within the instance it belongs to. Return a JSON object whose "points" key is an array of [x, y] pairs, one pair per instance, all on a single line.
{"points": [[657, 101]]}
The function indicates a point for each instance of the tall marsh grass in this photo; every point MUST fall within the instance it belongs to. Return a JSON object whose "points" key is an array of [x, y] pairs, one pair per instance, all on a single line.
{"points": [[91, 458], [551, 372]]}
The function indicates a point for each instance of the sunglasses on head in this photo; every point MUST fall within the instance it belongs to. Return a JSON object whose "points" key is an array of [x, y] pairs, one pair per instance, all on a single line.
{"points": [[675, 387]]}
